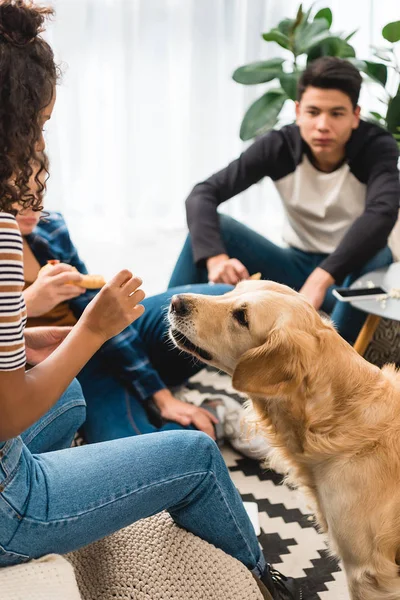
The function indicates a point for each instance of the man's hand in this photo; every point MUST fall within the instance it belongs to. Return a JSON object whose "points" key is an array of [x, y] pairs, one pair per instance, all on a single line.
{"points": [[40, 342], [52, 287], [222, 269], [315, 287], [185, 414]]}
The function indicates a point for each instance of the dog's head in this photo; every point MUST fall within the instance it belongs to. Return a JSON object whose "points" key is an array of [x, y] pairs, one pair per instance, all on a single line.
{"points": [[263, 333]]}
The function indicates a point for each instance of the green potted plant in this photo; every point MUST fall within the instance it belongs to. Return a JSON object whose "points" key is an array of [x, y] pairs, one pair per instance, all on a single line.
{"points": [[387, 75], [305, 37]]}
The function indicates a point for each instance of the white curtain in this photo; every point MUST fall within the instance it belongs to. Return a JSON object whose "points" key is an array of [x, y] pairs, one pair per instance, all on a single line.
{"points": [[147, 106]]}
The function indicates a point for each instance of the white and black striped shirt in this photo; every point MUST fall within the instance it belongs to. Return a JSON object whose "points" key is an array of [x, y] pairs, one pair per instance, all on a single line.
{"points": [[12, 305]]}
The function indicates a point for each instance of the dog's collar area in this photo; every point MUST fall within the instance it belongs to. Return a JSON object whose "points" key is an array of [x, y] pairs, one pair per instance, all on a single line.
{"points": [[184, 342]]}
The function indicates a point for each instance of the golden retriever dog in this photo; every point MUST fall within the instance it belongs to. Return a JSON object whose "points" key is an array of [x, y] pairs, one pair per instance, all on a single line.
{"points": [[330, 415]]}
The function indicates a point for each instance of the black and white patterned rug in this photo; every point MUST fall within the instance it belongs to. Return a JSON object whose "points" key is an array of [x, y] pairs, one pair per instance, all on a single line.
{"points": [[288, 536]]}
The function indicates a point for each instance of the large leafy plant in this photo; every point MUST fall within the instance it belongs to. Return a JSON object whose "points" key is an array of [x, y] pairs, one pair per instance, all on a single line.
{"points": [[387, 75], [304, 38]]}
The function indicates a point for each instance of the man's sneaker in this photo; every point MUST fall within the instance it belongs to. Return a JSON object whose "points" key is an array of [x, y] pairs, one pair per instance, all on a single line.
{"points": [[281, 587]]}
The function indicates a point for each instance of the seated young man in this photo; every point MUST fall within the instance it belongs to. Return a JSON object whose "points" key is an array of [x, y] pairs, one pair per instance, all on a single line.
{"points": [[338, 179], [126, 383]]}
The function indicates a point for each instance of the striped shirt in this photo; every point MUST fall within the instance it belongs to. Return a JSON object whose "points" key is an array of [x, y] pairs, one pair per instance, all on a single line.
{"points": [[12, 305]]}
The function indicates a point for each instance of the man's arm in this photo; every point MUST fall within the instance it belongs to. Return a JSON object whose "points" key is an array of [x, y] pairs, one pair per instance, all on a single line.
{"points": [[256, 162], [369, 233], [126, 356]]}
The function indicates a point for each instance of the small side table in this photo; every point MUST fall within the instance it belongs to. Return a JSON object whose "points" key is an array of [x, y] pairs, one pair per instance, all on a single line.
{"points": [[388, 278]]}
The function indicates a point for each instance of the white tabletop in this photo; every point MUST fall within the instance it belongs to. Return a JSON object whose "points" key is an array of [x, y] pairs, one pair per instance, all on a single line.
{"points": [[387, 278]]}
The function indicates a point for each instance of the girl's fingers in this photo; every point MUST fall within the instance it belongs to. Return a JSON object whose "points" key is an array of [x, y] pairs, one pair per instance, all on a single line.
{"points": [[132, 285], [137, 296], [137, 311], [120, 279]]}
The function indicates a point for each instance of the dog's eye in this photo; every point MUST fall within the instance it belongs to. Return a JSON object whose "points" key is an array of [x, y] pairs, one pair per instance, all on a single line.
{"points": [[240, 316]]}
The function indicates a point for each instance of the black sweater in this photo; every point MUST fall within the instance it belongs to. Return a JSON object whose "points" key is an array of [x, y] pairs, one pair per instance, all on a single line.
{"points": [[347, 214]]}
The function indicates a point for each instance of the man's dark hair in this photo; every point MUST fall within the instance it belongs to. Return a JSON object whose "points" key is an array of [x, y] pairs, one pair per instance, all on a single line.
{"points": [[331, 73]]}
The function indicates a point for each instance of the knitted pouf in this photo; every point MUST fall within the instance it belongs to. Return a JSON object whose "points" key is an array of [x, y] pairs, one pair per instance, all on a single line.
{"points": [[49, 578], [154, 559]]}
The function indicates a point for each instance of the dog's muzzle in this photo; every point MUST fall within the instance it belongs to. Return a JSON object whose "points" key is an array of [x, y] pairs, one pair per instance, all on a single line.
{"points": [[178, 310], [183, 342], [179, 306]]}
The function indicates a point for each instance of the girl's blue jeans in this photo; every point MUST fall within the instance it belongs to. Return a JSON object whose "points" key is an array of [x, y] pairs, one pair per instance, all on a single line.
{"points": [[54, 498]]}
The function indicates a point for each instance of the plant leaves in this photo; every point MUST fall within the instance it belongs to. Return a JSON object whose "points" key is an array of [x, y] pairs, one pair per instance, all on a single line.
{"points": [[310, 34], [277, 36], [375, 71], [382, 53], [286, 27], [348, 37], [393, 113], [391, 32], [289, 82], [262, 115], [325, 13], [299, 17], [307, 14], [332, 46], [377, 116], [258, 72]]}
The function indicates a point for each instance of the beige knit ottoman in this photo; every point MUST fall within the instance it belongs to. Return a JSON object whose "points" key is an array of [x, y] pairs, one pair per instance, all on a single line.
{"points": [[50, 578], [154, 559]]}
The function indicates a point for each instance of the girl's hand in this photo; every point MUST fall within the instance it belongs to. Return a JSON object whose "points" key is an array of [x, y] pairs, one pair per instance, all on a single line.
{"points": [[40, 342], [115, 307]]}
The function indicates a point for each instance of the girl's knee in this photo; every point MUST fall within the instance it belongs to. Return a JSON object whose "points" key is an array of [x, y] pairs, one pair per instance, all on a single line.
{"points": [[73, 393], [77, 415], [72, 406]]}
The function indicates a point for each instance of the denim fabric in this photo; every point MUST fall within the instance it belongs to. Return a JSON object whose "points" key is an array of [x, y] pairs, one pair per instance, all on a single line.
{"points": [[70, 414], [115, 409], [59, 501], [124, 354], [289, 266]]}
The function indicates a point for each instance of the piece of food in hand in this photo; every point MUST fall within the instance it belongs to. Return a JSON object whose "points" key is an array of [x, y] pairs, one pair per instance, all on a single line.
{"points": [[256, 276], [89, 282]]}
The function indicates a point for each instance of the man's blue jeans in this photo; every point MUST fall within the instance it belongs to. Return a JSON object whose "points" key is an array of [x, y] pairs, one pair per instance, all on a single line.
{"points": [[61, 500], [114, 410], [283, 265]]}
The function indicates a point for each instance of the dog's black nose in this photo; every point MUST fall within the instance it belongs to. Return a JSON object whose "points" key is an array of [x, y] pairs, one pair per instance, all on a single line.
{"points": [[179, 305]]}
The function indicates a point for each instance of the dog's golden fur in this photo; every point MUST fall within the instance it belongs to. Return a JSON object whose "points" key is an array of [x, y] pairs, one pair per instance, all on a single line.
{"points": [[333, 418]]}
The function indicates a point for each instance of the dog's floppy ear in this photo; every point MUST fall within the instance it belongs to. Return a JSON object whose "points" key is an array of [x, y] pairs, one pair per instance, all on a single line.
{"points": [[277, 367]]}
